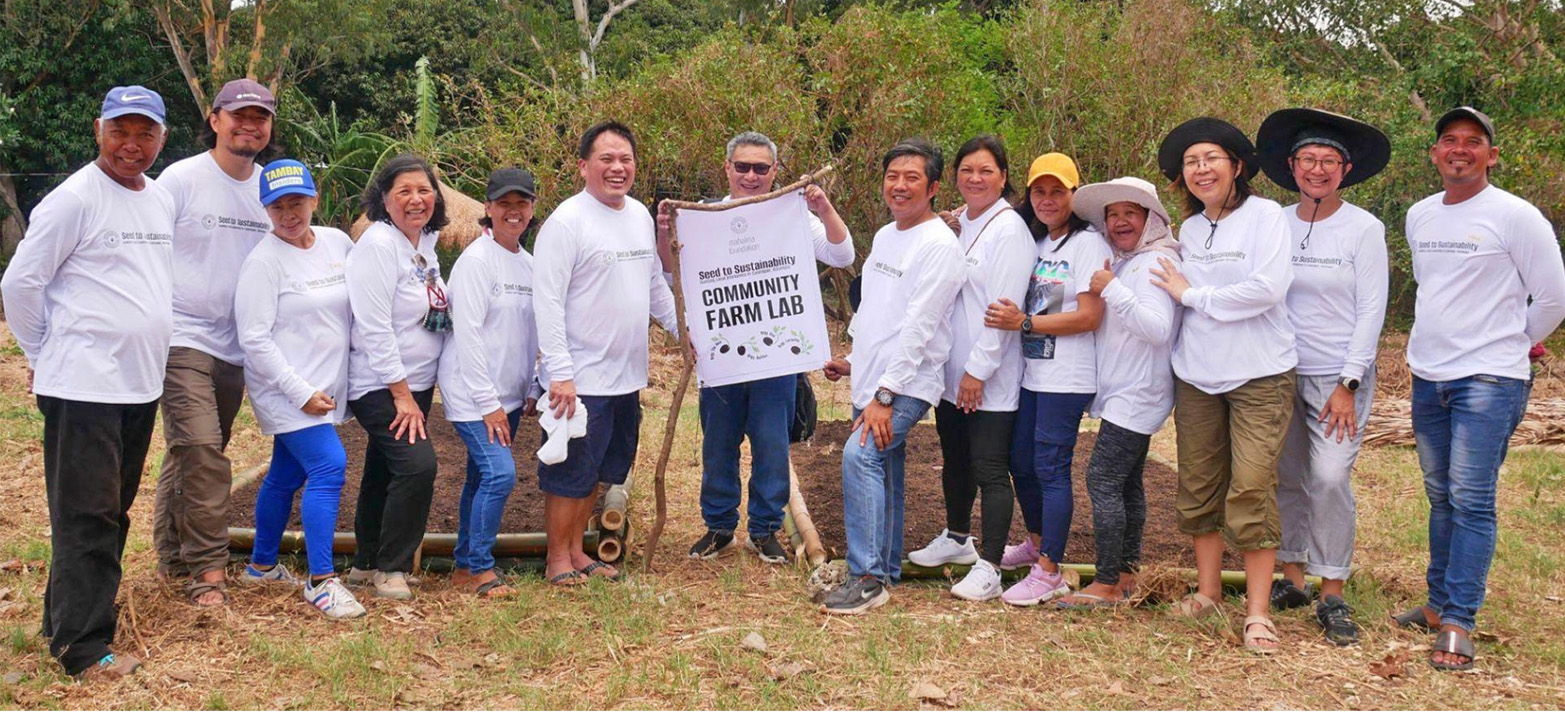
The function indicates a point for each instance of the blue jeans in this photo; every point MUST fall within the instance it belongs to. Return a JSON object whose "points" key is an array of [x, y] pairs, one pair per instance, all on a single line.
{"points": [[1042, 447], [491, 475], [1463, 428], [872, 487], [762, 410], [311, 458]]}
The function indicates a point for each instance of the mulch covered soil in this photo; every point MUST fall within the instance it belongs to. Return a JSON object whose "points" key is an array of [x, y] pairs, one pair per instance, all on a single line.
{"points": [[523, 512], [819, 467]]}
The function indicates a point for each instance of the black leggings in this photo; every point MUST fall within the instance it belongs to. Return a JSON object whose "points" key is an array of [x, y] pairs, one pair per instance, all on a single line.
{"points": [[397, 489], [976, 448], [1119, 506]]}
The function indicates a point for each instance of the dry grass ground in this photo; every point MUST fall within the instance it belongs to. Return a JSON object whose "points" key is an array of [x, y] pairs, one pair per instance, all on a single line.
{"points": [[671, 639]]}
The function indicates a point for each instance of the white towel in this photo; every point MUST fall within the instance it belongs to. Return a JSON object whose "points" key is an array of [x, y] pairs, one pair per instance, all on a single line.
{"points": [[559, 432]]}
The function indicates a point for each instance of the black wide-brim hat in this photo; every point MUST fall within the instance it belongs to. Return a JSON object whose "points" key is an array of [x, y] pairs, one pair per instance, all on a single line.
{"points": [[1205, 129], [1286, 130]]}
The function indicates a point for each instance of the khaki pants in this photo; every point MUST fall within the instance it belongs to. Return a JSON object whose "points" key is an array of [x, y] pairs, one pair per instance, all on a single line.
{"points": [[1229, 445], [201, 396]]}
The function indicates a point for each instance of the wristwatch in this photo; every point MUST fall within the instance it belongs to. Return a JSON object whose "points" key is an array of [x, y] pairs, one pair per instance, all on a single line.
{"points": [[1352, 384], [1027, 324], [884, 396]]}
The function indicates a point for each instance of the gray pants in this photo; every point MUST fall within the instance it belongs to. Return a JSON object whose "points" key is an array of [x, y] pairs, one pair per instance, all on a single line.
{"points": [[1314, 483]]}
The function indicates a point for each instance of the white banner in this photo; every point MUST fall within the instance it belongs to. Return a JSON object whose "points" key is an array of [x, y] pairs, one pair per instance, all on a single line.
{"points": [[752, 297]]}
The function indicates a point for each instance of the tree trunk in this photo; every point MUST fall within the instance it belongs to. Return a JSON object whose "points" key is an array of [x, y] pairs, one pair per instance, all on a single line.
{"points": [[15, 225]]}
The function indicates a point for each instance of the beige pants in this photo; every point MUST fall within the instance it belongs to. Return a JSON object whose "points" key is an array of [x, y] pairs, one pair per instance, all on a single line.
{"points": [[1229, 445], [201, 396]]}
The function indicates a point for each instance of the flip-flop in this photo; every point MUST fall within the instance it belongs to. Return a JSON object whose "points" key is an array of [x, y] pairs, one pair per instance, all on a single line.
{"points": [[1092, 601], [568, 579], [1414, 620], [595, 566], [1453, 643], [485, 589]]}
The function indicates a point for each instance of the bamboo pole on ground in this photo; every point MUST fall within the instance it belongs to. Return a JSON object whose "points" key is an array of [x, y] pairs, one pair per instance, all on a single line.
{"points": [[687, 348], [1231, 579], [526, 545], [243, 479], [615, 501], [814, 551]]}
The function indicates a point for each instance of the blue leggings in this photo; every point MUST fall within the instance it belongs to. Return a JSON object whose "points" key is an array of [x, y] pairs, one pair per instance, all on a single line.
{"points": [[313, 459], [1042, 447]]}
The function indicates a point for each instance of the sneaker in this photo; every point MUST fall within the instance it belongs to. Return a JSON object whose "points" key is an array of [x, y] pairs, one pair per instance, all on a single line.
{"points": [[278, 574], [110, 667], [768, 548], [1285, 595], [982, 583], [360, 577], [1040, 586], [1019, 555], [712, 544], [944, 550], [856, 597], [333, 599], [393, 585], [1336, 618]]}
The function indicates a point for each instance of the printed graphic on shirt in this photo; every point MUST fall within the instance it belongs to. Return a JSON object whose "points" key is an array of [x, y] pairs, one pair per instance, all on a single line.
{"points": [[211, 222], [1215, 257], [1314, 262], [114, 238], [1465, 246], [1045, 295], [510, 289]]}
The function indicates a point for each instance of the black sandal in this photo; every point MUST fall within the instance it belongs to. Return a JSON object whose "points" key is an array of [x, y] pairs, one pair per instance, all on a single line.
{"points": [[598, 566], [1414, 620], [1453, 642]]}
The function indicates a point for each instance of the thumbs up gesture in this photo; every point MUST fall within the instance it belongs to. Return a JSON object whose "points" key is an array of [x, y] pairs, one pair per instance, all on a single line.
{"points": [[1101, 279]]}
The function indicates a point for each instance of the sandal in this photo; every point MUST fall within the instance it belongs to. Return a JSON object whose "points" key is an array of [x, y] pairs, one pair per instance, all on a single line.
{"points": [[492, 588], [1195, 605], [195, 589], [592, 568], [1083, 601], [1268, 632], [1453, 642], [568, 578], [1414, 619]]}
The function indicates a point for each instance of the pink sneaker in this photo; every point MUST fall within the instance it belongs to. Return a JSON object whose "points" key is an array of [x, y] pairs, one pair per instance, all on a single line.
{"points": [[1019, 555], [1038, 587]]}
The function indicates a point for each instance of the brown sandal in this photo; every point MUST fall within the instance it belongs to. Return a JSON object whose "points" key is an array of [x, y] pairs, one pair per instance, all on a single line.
{"points": [[1195, 605], [196, 588], [1267, 632]]}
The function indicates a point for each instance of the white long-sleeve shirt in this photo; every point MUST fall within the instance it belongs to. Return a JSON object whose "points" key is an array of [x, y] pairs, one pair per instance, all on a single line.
{"points": [[1476, 263], [1235, 327], [219, 221], [493, 349], [999, 252], [1337, 302], [902, 330], [596, 277], [89, 292], [1062, 271], [295, 323], [1135, 348], [390, 298]]}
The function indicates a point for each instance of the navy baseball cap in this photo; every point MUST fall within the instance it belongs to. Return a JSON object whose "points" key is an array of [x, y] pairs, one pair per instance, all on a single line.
{"points": [[285, 176], [134, 99]]}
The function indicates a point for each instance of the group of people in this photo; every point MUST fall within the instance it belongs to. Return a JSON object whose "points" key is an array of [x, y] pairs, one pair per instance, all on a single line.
{"points": [[1257, 327], [1011, 318]]}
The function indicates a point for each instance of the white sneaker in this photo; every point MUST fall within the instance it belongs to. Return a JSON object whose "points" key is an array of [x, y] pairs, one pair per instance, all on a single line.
{"points": [[982, 583], [333, 599], [278, 574], [944, 550], [393, 585]]}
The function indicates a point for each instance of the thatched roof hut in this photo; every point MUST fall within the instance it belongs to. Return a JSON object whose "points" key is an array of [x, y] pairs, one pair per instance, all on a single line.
{"points": [[462, 211]]}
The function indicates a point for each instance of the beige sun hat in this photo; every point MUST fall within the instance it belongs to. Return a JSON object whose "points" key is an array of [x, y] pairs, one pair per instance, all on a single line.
{"points": [[1093, 198]]}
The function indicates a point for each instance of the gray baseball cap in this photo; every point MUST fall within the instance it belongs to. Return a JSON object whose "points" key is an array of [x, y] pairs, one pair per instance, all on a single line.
{"points": [[1465, 112], [241, 93]]}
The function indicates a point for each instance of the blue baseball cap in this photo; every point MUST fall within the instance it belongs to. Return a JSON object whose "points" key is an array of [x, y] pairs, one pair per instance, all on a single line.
{"points": [[285, 176], [134, 99]]}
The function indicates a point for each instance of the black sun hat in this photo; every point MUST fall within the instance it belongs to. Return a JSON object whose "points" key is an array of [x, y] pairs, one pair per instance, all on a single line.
{"points": [[1205, 129], [1286, 130]]}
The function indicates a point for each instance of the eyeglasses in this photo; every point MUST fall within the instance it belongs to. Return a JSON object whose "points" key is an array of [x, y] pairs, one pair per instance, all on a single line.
{"points": [[1192, 164], [759, 169], [1308, 163]]}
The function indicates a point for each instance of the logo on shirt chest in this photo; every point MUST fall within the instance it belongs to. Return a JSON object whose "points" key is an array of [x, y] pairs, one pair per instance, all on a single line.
{"points": [[886, 269], [110, 238], [208, 221]]}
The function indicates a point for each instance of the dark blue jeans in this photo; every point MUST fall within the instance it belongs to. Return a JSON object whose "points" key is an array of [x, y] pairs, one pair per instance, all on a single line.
{"points": [[1042, 447], [1463, 428], [761, 410]]}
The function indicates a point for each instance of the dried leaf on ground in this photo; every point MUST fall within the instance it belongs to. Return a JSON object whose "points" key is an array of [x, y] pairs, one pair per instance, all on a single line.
{"points": [[786, 671], [754, 642], [1394, 665], [931, 693]]}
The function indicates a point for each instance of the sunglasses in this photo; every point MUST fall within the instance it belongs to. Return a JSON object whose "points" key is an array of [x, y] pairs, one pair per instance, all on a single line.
{"points": [[759, 169]]}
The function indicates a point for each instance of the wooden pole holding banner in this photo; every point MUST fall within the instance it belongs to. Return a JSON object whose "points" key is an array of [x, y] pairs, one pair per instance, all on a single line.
{"points": [[687, 348]]}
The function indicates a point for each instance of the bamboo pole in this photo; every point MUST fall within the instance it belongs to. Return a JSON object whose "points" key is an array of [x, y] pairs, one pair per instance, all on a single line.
{"points": [[243, 479], [527, 544], [615, 501], [687, 348], [814, 551], [1231, 579]]}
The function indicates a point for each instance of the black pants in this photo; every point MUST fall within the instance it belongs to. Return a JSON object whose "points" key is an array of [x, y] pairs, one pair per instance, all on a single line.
{"points": [[977, 451], [1119, 506], [93, 454], [398, 485]]}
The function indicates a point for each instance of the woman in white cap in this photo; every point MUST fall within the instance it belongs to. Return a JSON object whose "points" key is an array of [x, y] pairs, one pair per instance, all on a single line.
{"points": [[295, 323], [1135, 378], [1059, 373], [1337, 305], [486, 373], [1234, 360]]}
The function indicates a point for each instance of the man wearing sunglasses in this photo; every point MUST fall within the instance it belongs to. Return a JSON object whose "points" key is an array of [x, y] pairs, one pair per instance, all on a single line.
{"points": [[761, 409]]}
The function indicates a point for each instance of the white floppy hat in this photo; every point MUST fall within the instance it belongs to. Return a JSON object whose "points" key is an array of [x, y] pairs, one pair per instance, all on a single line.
{"points": [[1090, 200]]}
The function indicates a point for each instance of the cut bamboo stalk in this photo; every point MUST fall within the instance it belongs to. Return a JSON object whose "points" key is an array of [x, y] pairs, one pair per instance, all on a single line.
{"points": [[791, 530], [610, 549], [1231, 579], [814, 551], [435, 543], [615, 501], [243, 479]]}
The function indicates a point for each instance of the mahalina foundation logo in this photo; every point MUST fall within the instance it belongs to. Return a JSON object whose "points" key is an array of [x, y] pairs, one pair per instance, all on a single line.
{"points": [[208, 221], [111, 238], [739, 225]]}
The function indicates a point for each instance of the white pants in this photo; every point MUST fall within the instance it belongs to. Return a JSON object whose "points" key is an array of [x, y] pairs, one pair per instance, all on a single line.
{"points": [[1314, 484]]}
